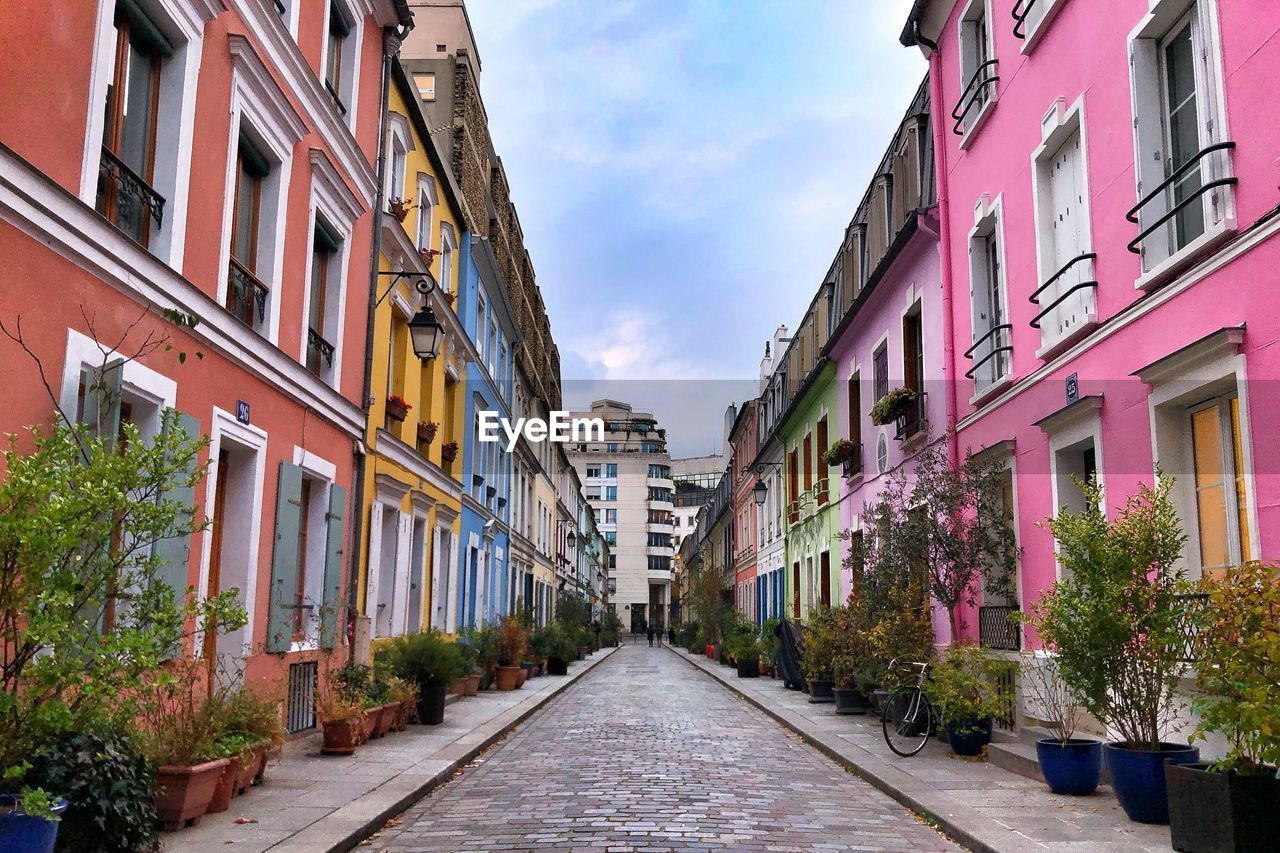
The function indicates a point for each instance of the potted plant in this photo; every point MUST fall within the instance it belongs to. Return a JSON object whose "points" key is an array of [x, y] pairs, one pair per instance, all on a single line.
{"points": [[449, 451], [341, 711], [560, 650], [1070, 765], [397, 407], [404, 694], [427, 431], [400, 207], [743, 644], [29, 821], [181, 734], [1232, 803], [428, 255], [892, 406], [238, 750], [966, 693], [840, 452], [1114, 620], [820, 648], [511, 643], [850, 685], [430, 663]]}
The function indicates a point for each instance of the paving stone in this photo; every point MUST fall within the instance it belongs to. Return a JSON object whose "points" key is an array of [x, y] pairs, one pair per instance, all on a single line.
{"points": [[643, 754]]}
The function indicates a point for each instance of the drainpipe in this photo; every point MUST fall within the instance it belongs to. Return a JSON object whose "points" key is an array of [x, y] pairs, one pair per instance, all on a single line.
{"points": [[391, 39], [944, 247]]}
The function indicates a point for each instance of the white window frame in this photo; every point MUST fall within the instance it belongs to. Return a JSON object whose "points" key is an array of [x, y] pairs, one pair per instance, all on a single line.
{"points": [[425, 220], [332, 200], [1070, 429], [259, 107], [1146, 43], [137, 381], [448, 246], [183, 24], [1209, 369], [1037, 22], [968, 66], [399, 144], [349, 85], [322, 473]]}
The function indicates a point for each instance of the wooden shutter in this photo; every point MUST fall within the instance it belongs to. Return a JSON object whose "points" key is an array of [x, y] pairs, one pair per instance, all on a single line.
{"points": [[335, 537], [284, 559], [824, 562], [174, 553]]}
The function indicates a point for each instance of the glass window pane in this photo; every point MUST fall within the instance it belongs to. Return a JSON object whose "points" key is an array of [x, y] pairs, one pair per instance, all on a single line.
{"points": [[1207, 448], [1242, 496], [1211, 508]]}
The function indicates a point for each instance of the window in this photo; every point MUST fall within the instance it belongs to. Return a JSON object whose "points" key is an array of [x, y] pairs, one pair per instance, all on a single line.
{"points": [[325, 247], [482, 324], [1221, 498], [125, 177], [977, 69], [855, 419], [426, 214], [880, 371], [610, 516], [593, 471], [808, 462], [913, 370], [611, 537], [447, 246], [1183, 165], [611, 493], [426, 84], [593, 494], [335, 71], [246, 293], [991, 343], [611, 471], [659, 540], [822, 462], [793, 488]]}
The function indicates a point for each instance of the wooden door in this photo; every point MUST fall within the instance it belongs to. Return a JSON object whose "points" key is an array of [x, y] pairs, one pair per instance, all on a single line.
{"points": [[216, 524]]}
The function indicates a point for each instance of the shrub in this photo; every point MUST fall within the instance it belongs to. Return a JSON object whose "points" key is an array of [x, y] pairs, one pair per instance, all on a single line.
{"points": [[512, 639], [110, 789], [887, 409], [563, 644], [742, 641], [820, 644], [840, 451], [426, 659], [965, 687], [769, 641]]}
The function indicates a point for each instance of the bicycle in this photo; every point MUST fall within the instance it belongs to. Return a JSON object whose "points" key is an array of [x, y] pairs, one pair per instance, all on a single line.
{"points": [[908, 718]]}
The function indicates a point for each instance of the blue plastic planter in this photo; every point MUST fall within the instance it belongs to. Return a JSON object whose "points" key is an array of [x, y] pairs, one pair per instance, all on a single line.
{"points": [[1072, 768], [971, 740], [20, 833], [1137, 777]]}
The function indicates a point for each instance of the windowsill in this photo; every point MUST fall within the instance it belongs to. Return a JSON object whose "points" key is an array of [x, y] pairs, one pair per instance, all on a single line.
{"points": [[979, 121], [991, 390], [1057, 345], [1186, 256], [1037, 33]]}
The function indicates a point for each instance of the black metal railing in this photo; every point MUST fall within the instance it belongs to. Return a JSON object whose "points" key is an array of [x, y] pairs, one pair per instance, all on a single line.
{"points": [[335, 97], [912, 421], [132, 195], [975, 93], [1006, 717], [318, 348], [300, 704], [246, 294], [280, 7], [1061, 297], [998, 335], [1190, 615], [997, 627], [1021, 10], [852, 466], [1135, 245]]}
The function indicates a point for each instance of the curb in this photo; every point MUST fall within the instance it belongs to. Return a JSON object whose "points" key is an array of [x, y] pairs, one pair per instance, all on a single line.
{"points": [[345, 828], [957, 833]]}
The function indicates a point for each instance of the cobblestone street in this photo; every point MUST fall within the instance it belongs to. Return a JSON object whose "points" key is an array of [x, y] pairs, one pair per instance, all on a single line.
{"points": [[645, 754]]}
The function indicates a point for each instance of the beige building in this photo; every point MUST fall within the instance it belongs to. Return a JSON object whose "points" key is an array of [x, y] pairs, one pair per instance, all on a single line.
{"points": [[626, 479]]}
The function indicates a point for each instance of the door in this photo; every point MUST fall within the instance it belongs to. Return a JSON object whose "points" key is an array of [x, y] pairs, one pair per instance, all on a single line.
{"points": [[418, 575], [216, 524], [825, 578], [795, 590]]}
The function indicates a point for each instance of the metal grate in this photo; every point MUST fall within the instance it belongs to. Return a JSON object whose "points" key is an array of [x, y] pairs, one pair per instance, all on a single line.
{"points": [[997, 628], [1188, 625], [300, 711], [1007, 693]]}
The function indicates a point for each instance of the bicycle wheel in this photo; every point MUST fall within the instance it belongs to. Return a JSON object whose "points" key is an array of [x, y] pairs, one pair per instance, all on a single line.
{"points": [[905, 719]]}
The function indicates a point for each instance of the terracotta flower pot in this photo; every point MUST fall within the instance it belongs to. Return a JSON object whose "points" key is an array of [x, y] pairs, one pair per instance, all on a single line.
{"points": [[264, 754], [402, 717], [250, 769], [459, 686], [427, 432], [397, 411], [521, 677], [449, 452], [341, 737], [509, 677], [183, 793], [473, 685], [227, 786]]}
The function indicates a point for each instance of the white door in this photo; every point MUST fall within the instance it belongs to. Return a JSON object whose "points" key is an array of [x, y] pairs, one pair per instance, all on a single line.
{"points": [[1069, 232]]}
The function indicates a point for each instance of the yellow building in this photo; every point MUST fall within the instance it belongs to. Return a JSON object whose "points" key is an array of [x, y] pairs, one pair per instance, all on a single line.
{"points": [[412, 495]]}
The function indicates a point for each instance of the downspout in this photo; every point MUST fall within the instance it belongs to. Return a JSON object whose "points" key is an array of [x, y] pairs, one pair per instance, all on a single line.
{"points": [[944, 247], [391, 39]]}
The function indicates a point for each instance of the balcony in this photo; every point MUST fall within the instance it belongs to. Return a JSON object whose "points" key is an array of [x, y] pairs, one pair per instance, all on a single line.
{"points": [[852, 467], [913, 421], [1081, 269], [977, 92], [998, 629], [318, 349], [246, 294], [126, 199], [1168, 190], [990, 354]]}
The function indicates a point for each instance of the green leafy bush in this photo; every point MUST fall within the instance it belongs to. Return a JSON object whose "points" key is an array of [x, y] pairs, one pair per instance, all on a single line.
{"points": [[892, 405], [742, 641], [966, 687], [769, 642], [427, 659]]}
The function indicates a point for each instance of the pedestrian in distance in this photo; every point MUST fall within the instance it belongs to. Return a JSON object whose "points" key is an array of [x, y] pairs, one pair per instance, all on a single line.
{"points": [[650, 636], [671, 635]]}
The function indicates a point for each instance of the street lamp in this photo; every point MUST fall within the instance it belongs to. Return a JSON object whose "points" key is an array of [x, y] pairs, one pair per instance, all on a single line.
{"points": [[572, 540], [760, 492], [426, 332]]}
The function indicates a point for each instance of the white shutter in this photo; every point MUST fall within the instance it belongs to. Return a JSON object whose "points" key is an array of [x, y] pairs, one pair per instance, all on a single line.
{"points": [[373, 563], [399, 604]]}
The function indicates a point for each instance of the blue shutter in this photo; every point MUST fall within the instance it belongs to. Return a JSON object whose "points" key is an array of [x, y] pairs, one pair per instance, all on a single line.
{"points": [[282, 601], [174, 553], [335, 536]]}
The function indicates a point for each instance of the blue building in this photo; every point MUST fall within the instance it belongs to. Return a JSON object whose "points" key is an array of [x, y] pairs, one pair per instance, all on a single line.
{"points": [[483, 556]]}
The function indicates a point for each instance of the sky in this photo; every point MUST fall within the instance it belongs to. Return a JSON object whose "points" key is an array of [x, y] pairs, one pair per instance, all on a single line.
{"points": [[684, 171]]}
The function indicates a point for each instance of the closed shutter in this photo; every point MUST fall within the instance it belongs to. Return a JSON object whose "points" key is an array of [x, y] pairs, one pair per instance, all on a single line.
{"points": [[282, 599], [335, 537], [174, 553]]}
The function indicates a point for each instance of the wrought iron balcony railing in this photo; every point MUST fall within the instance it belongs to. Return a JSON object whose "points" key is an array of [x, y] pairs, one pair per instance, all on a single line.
{"points": [[997, 628], [913, 421], [335, 97], [999, 347], [1021, 11], [318, 348], [1061, 297], [246, 294], [1135, 245], [852, 466], [124, 196], [975, 94]]}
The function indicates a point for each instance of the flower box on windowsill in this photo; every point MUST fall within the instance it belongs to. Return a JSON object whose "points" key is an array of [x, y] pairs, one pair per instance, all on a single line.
{"points": [[427, 431], [397, 408], [399, 208], [449, 452]]}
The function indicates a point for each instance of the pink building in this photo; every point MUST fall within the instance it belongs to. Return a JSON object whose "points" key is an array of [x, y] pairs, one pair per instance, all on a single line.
{"points": [[746, 514], [1108, 204], [216, 158]]}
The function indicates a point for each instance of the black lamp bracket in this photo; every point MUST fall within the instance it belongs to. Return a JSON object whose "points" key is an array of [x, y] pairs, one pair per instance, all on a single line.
{"points": [[424, 282]]}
